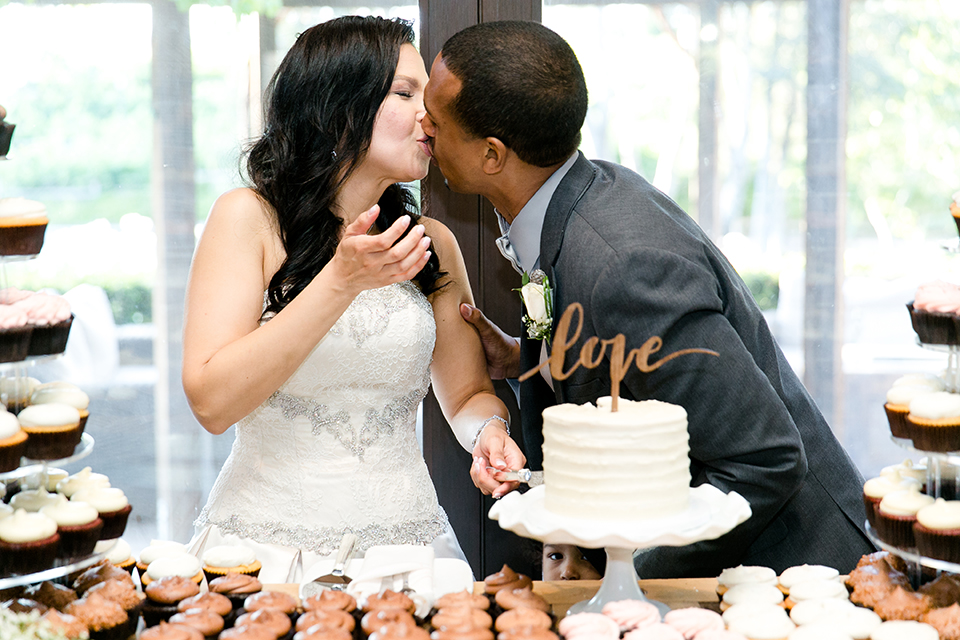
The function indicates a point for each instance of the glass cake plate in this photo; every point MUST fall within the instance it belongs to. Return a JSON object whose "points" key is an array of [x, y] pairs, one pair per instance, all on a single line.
{"points": [[709, 514]]}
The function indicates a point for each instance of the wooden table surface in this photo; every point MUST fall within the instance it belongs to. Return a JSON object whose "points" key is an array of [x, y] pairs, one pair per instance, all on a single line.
{"points": [[687, 592]]}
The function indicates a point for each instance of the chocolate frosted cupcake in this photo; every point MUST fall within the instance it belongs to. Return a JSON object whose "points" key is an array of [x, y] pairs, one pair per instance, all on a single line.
{"points": [[902, 604], [316, 632], [399, 631], [51, 594], [521, 598], [389, 600], [336, 618], [163, 596], [65, 624], [216, 602], [207, 622], [98, 573], [28, 543], [875, 489], [271, 600], [123, 593], [506, 578], [943, 591], [105, 619], [896, 514], [462, 598], [462, 617], [237, 587], [330, 599], [516, 618], [167, 631], [279, 622]]}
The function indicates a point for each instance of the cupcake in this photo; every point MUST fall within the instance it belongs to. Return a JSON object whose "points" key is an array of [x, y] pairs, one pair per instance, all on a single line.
{"points": [[117, 552], [83, 479], [934, 421], [28, 543], [518, 618], [587, 626], [741, 574], [450, 618], [47, 478], [317, 632], [809, 611], [955, 209], [897, 407], [223, 559], [902, 604], [167, 631], [13, 442], [216, 602], [875, 489], [937, 530], [123, 593], [105, 619], [14, 334], [65, 624], [904, 630], [632, 614], [910, 469], [532, 633], [387, 600], [521, 598], [50, 317], [111, 504], [279, 622], [33, 500], [64, 393], [53, 430], [22, 226], [260, 632], [163, 595], [237, 587], [271, 600], [337, 618], [183, 565], [692, 621], [657, 631], [772, 625], [157, 549], [751, 593], [896, 514], [334, 599], [100, 572], [207, 622], [506, 578], [815, 590], [946, 621], [457, 599], [15, 391], [933, 311], [803, 572], [943, 591], [53, 595], [78, 524]]}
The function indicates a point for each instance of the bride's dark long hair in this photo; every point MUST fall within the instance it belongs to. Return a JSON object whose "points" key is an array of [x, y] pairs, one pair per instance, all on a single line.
{"points": [[320, 108]]}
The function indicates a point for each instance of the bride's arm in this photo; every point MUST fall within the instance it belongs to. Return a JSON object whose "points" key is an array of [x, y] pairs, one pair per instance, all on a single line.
{"points": [[231, 364], [459, 371]]}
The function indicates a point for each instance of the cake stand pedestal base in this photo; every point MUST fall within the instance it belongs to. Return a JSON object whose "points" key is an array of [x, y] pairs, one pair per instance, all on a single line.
{"points": [[619, 583]]}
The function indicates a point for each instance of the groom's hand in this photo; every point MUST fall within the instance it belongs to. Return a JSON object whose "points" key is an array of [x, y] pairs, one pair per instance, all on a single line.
{"points": [[502, 351]]}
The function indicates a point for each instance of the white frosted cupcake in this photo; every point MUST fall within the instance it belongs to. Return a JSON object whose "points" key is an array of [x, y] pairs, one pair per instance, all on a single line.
{"points": [[934, 421], [816, 590], [896, 514], [804, 572], [910, 469], [751, 593], [28, 543], [23, 223], [770, 625], [741, 574], [86, 478], [897, 406], [32, 500], [223, 559], [48, 478], [15, 391], [53, 430], [937, 530], [78, 524], [112, 505], [64, 393], [888, 481], [814, 610], [117, 552], [13, 442], [184, 565], [158, 549], [904, 630], [819, 631]]}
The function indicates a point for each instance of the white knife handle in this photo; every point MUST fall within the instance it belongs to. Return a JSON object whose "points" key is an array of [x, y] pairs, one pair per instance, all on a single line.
{"points": [[346, 547]]}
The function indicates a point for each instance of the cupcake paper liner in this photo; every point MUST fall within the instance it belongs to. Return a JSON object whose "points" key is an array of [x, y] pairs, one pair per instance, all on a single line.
{"points": [[79, 541], [12, 451], [932, 327], [52, 444], [870, 506], [934, 436], [941, 544], [114, 522], [28, 557], [895, 530], [24, 240], [899, 427], [50, 339], [15, 343]]}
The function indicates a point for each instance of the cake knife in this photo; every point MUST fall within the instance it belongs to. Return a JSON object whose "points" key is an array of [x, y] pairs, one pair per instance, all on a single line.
{"points": [[532, 478]]}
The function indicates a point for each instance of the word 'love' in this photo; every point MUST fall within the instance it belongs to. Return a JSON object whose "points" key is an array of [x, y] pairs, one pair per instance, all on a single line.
{"points": [[619, 365]]}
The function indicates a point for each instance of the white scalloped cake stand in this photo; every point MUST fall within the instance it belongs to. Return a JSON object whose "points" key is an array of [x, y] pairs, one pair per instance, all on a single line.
{"points": [[710, 514]]}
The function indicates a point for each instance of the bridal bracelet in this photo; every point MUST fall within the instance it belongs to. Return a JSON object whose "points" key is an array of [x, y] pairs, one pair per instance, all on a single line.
{"points": [[483, 424]]}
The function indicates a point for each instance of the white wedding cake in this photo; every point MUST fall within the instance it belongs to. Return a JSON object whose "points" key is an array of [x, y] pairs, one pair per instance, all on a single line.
{"points": [[632, 464]]}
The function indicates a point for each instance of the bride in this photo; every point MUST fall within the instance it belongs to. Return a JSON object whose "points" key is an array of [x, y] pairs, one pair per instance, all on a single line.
{"points": [[321, 306]]}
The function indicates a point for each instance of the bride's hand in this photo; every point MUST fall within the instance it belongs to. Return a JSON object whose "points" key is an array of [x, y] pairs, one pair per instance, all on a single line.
{"points": [[371, 261]]}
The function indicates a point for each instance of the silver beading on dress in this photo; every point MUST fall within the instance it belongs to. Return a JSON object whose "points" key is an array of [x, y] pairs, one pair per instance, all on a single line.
{"points": [[334, 450]]}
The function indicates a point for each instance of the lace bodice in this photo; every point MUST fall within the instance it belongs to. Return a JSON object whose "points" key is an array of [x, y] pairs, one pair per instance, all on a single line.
{"points": [[335, 448]]}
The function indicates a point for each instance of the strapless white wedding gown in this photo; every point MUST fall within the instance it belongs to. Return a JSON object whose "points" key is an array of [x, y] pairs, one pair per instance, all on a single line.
{"points": [[335, 449]]}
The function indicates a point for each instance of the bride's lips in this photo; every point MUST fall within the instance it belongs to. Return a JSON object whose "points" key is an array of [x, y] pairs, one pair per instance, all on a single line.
{"points": [[426, 146]]}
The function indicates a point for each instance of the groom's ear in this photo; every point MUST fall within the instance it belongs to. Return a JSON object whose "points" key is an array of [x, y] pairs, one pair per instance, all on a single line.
{"points": [[495, 156]]}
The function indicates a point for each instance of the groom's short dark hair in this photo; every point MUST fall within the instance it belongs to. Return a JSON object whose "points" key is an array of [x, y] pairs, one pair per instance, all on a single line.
{"points": [[522, 84]]}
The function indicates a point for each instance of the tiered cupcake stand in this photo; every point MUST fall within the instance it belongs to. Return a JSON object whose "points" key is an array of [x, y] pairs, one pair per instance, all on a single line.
{"points": [[937, 463], [15, 372], [710, 514]]}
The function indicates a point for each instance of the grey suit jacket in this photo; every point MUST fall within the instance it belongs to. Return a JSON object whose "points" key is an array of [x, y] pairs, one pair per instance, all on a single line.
{"points": [[641, 267]]}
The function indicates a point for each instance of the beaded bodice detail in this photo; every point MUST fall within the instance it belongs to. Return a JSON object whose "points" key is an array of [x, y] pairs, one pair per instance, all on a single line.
{"points": [[335, 448]]}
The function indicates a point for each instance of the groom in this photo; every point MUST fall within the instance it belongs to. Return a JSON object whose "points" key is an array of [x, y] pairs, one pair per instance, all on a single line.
{"points": [[505, 104]]}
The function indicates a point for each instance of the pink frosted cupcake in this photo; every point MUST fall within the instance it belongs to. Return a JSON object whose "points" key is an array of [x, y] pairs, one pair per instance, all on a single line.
{"points": [[589, 626], [933, 312], [14, 334], [657, 631], [50, 317], [692, 621]]}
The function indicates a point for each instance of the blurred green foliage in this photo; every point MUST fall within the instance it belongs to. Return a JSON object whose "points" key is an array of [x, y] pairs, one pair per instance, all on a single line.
{"points": [[764, 286]]}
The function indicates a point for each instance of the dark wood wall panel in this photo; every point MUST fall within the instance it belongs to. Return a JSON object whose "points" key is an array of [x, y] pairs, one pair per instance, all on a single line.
{"points": [[472, 220]]}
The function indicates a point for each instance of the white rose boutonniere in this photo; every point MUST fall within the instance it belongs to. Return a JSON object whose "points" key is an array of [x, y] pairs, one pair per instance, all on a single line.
{"points": [[537, 297]]}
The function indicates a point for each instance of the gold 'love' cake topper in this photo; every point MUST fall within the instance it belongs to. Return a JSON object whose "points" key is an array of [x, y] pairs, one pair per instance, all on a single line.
{"points": [[618, 364]]}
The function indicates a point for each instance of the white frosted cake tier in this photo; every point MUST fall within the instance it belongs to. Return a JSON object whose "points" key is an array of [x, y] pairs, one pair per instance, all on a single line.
{"points": [[709, 514]]}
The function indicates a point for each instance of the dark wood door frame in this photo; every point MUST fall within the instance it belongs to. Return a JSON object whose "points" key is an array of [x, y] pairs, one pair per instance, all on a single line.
{"points": [[471, 218]]}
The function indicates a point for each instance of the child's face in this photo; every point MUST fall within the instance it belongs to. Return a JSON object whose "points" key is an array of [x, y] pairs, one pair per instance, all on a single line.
{"points": [[565, 562]]}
